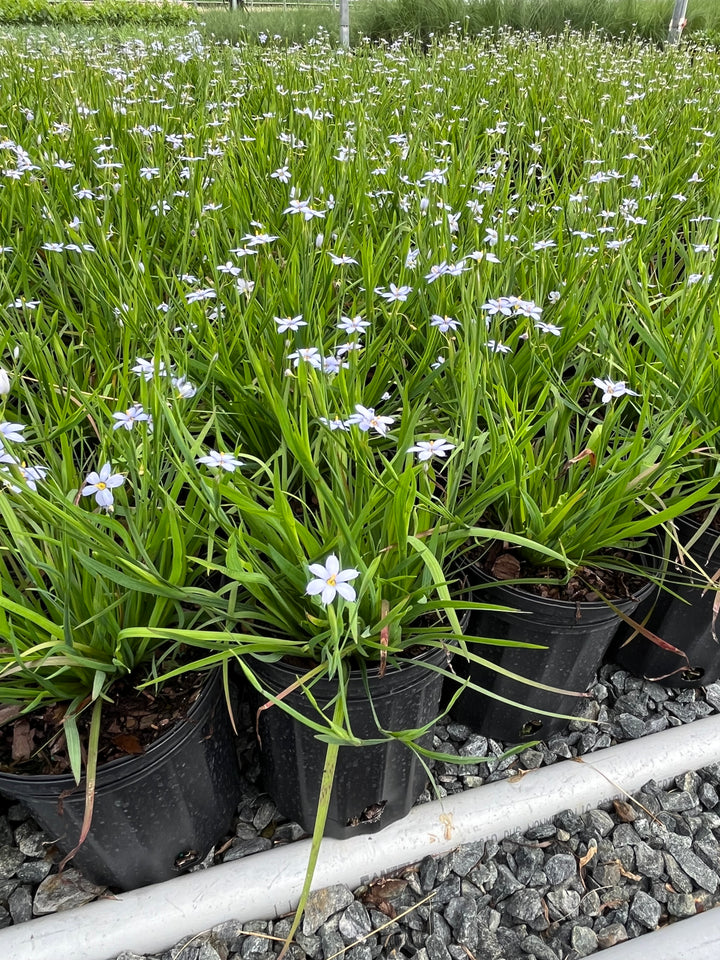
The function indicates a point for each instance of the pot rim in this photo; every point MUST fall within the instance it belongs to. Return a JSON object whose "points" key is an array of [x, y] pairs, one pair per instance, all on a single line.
{"points": [[585, 605], [152, 754]]}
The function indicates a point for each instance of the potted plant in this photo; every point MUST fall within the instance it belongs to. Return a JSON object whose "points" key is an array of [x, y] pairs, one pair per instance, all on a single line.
{"points": [[587, 470], [675, 641], [135, 787]]}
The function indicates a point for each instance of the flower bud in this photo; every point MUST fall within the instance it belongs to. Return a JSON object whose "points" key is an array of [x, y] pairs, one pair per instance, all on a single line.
{"points": [[4, 382]]}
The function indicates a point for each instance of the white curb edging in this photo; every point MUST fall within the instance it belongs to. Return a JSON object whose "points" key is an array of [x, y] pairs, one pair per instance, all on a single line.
{"points": [[696, 937], [267, 885]]}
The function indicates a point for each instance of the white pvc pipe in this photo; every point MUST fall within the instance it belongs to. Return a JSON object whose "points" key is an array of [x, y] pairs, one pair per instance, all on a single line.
{"points": [[268, 884], [696, 937]]}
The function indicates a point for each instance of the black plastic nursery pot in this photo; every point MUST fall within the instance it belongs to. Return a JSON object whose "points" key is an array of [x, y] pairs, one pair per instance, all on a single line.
{"points": [[682, 618], [374, 785], [155, 814], [576, 636]]}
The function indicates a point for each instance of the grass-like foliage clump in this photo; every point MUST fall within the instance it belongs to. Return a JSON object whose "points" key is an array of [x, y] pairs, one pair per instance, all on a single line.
{"points": [[105, 12]]}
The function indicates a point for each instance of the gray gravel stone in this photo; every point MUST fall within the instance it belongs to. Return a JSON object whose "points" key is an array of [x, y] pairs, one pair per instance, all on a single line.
{"points": [[428, 873], [538, 948], [64, 891], [560, 867], [465, 858], [606, 874], [288, 832], [563, 904], [246, 848], [322, 904], [332, 942], [632, 726], [649, 862], [361, 951], [708, 796], [584, 941], [528, 861], [33, 871], [437, 948], [612, 934], [31, 840], [506, 883], [525, 905], [678, 878], [531, 759], [489, 947], [10, 860], [355, 922], [692, 865], [598, 823], [645, 910], [681, 905], [678, 801], [20, 904]]}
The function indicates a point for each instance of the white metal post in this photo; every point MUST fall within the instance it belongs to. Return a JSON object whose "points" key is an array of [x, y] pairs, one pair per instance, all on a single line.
{"points": [[678, 21], [345, 23]]}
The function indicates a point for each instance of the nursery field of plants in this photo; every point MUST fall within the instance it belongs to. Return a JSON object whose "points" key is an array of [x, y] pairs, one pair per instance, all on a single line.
{"points": [[304, 350]]}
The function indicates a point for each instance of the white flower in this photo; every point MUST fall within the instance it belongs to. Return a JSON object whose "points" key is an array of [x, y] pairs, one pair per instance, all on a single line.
{"points": [[146, 369], [425, 449], [128, 419], [183, 387], [548, 328], [436, 270], [102, 484], [31, 475], [497, 346], [332, 365], [478, 255], [331, 580], [342, 261], [612, 389], [310, 355], [245, 286], [444, 323], [289, 323], [12, 431], [352, 325], [335, 424], [221, 460], [195, 296], [366, 419], [394, 293]]}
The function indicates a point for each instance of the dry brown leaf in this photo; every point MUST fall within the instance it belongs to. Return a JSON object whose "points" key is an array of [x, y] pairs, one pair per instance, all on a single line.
{"points": [[611, 905], [23, 741], [592, 850], [128, 743], [626, 873], [517, 776], [8, 712], [506, 567]]}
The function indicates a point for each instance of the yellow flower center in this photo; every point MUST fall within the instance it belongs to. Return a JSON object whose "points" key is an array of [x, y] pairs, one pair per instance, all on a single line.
{"points": [[101, 485], [331, 581]]}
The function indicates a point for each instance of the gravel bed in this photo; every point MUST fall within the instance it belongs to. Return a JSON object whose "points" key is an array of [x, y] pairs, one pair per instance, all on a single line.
{"points": [[561, 890]]}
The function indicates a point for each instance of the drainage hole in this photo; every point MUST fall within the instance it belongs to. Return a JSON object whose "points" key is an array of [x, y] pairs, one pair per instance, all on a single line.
{"points": [[371, 814], [532, 726]]}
